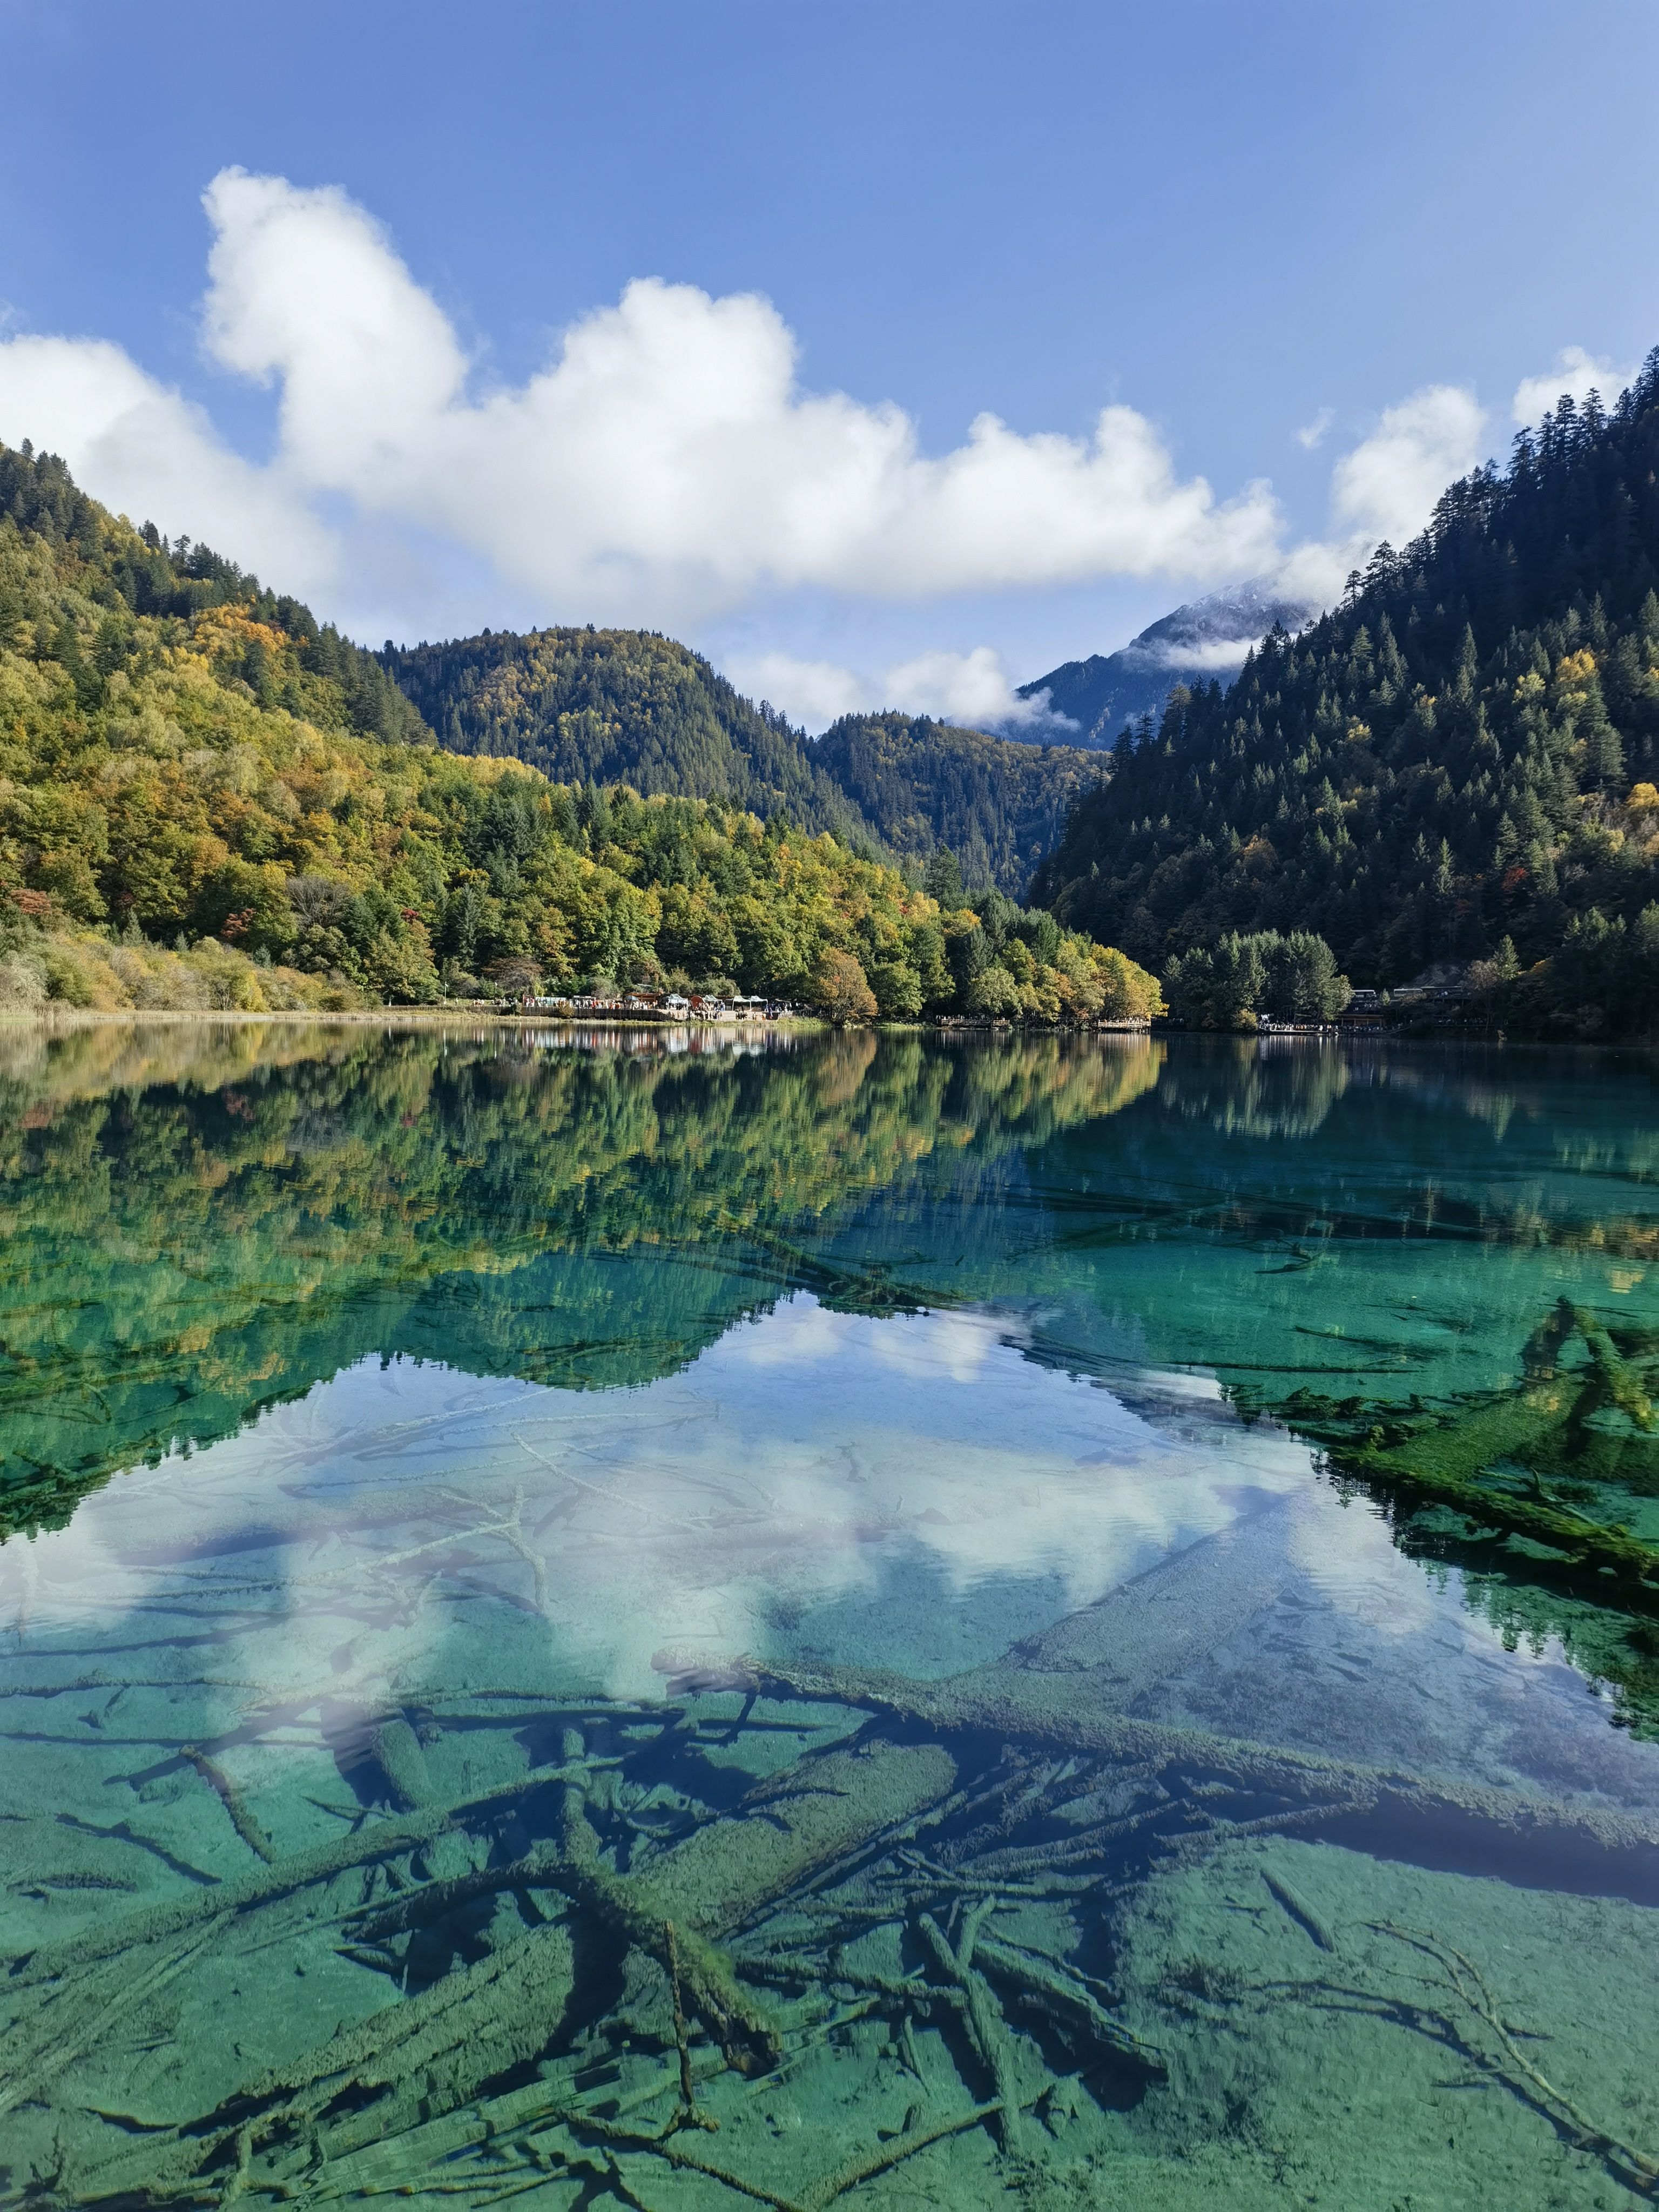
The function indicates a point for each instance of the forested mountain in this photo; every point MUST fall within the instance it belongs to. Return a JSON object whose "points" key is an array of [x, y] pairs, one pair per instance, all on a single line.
{"points": [[207, 800], [997, 806], [1457, 764], [1106, 691], [619, 706], [610, 705]]}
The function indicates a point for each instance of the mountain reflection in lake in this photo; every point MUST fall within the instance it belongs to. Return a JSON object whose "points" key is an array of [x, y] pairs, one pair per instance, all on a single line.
{"points": [[912, 1621]]}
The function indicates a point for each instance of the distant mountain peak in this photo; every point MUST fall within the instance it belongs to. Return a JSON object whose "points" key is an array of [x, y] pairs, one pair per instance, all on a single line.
{"points": [[1207, 637]]}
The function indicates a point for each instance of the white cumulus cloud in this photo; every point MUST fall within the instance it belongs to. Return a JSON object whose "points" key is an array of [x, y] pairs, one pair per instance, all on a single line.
{"points": [[1577, 374], [665, 464]]}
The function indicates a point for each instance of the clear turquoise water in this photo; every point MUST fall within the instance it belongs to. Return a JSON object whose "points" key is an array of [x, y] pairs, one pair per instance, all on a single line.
{"points": [[950, 1529]]}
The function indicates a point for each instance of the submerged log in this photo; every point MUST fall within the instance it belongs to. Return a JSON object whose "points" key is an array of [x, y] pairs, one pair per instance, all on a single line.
{"points": [[154, 1923], [418, 2060], [1532, 1840], [642, 1915], [414, 2060], [795, 1824]]}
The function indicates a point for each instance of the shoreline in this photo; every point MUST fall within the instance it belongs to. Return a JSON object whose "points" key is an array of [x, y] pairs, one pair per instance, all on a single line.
{"points": [[592, 1029], [71, 1018]]}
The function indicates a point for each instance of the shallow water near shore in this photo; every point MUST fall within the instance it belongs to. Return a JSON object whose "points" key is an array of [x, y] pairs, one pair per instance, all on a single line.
{"points": [[886, 1621]]}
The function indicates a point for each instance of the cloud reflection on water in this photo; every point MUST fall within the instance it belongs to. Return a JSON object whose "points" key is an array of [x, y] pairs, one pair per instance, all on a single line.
{"points": [[918, 1466]]}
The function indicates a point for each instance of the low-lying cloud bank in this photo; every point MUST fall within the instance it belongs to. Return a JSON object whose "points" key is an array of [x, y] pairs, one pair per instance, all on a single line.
{"points": [[971, 690], [665, 468]]}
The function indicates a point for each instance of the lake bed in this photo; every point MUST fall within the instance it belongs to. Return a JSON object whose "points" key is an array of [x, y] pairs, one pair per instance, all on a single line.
{"points": [[854, 1621]]}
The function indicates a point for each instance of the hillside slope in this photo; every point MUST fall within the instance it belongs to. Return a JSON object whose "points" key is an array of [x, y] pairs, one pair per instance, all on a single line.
{"points": [[207, 800], [1457, 764], [618, 706], [610, 705], [997, 805]]}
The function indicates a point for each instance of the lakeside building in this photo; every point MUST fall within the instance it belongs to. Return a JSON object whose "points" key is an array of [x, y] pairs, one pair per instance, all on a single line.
{"points": [[674, 1006]]}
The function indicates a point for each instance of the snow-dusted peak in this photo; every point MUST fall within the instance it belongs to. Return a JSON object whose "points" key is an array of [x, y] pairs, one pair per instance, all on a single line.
{"points": [[1208, 637]]}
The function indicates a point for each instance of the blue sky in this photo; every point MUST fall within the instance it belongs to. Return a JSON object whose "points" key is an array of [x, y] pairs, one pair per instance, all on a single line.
{"points": [[1303, 253]]}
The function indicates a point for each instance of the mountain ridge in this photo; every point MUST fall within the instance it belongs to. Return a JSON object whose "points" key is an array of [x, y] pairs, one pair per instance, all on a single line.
{"points": [[586, 705]]}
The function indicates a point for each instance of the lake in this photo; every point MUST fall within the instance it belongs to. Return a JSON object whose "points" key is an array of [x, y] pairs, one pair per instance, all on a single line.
{"points": [[622, 1617]]}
